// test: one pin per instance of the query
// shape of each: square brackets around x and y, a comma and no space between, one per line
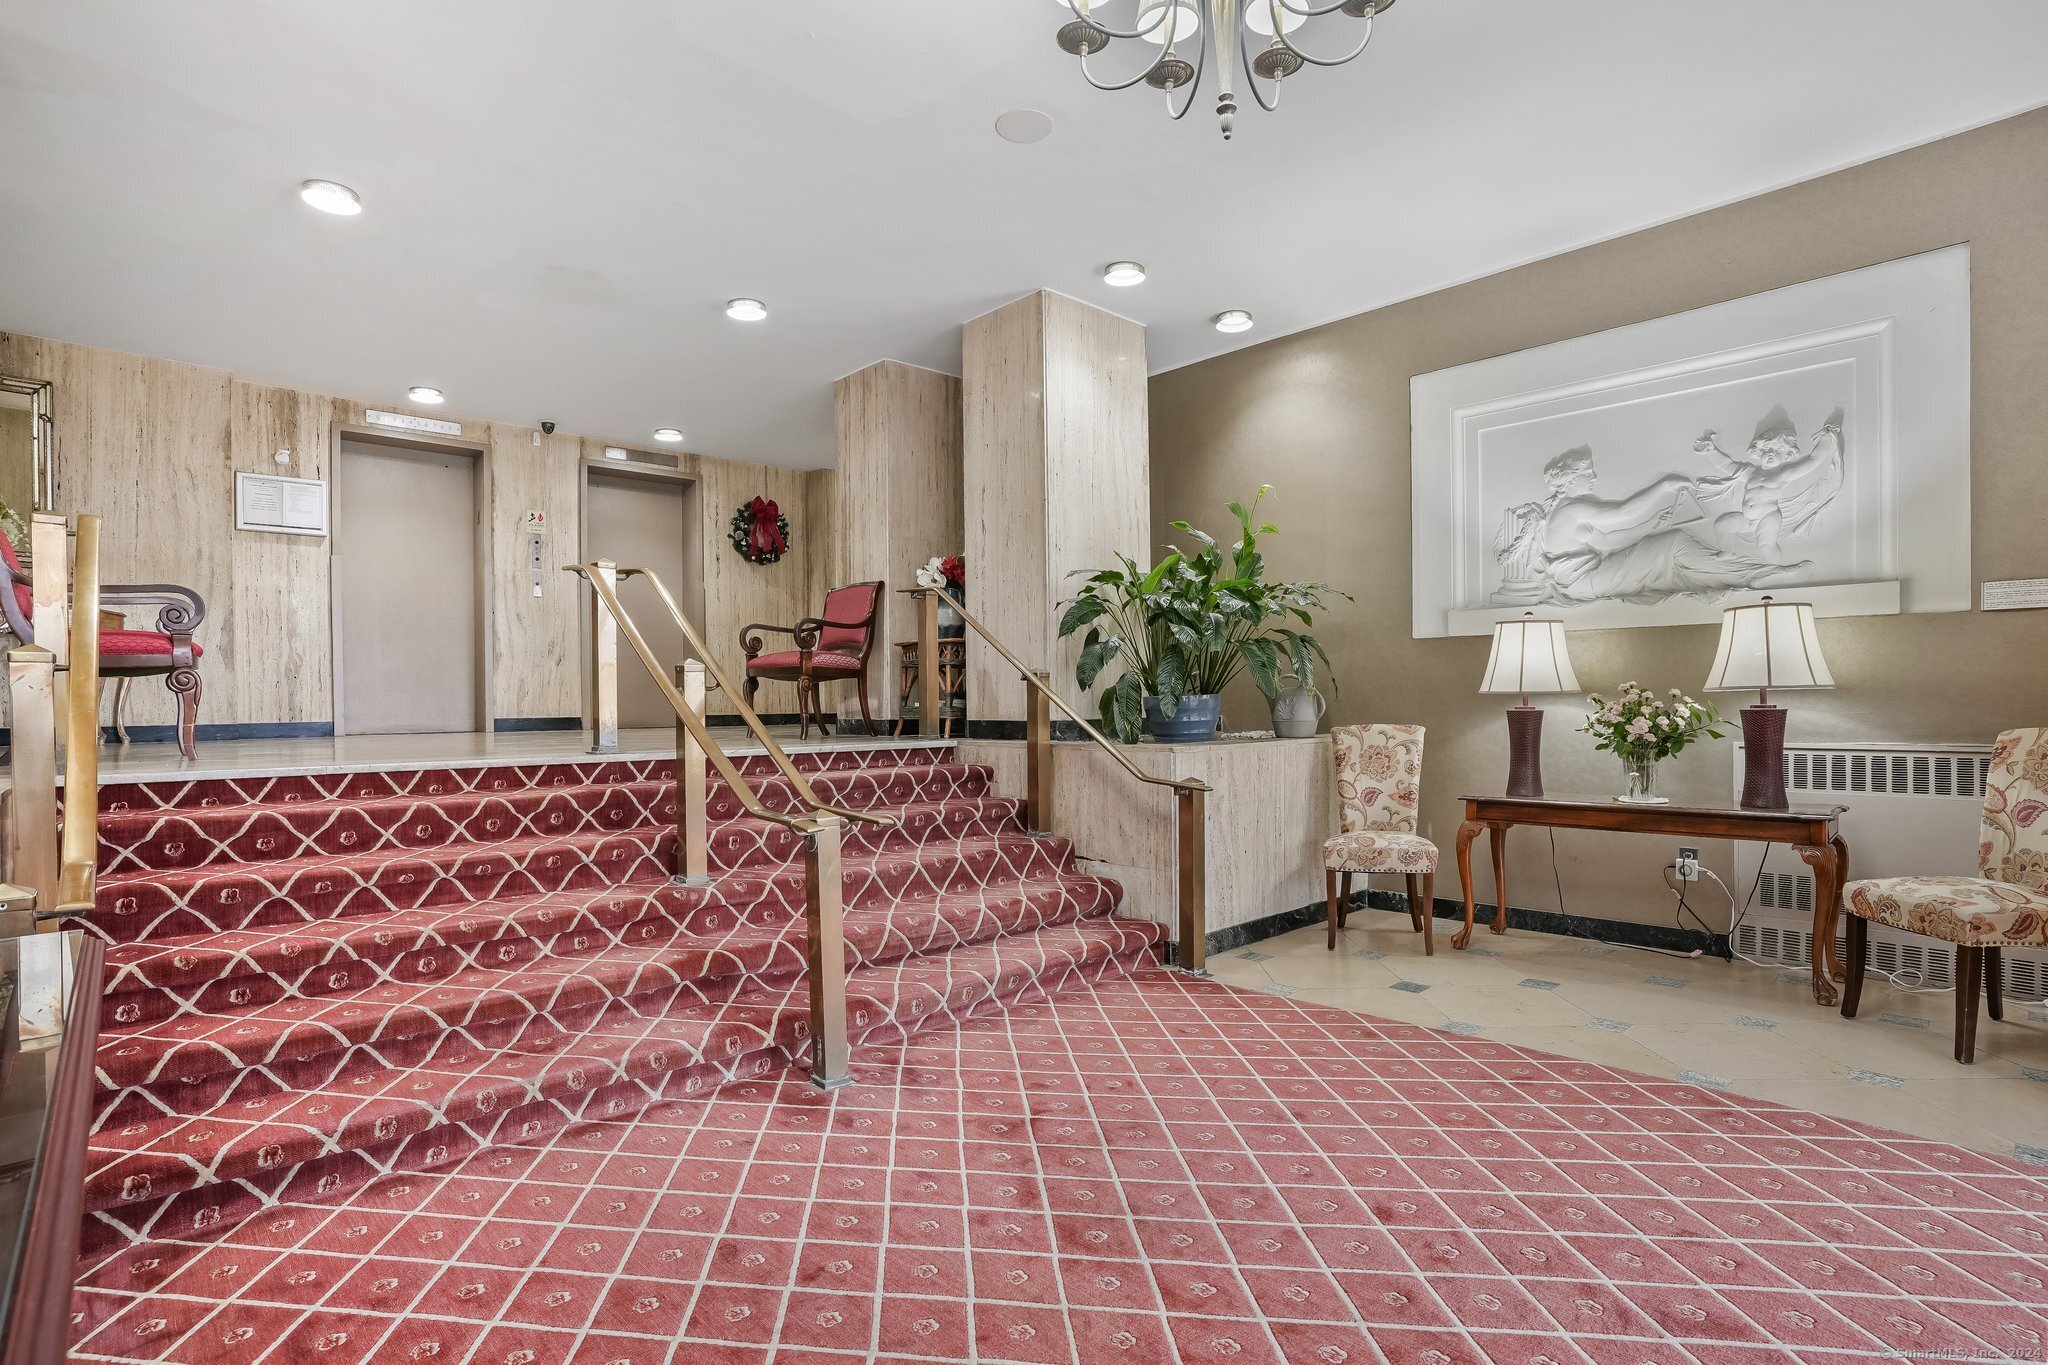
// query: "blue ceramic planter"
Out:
[1195,718]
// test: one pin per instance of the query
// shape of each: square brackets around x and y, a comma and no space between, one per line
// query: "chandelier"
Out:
[1234,29]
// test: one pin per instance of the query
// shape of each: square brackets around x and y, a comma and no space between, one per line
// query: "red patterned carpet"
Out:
[438,1066]
[1145,1170]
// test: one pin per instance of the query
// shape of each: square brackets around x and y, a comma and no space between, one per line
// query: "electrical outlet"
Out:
[1688,863]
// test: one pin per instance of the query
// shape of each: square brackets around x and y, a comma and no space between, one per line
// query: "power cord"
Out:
[1558,880]
[1910,983]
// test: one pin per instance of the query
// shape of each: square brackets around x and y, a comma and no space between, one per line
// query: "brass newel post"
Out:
[604,666]
[826,946]
[693,861]
[50,599]
[928,718]
[1190,819]
[1037,753]
[32,825]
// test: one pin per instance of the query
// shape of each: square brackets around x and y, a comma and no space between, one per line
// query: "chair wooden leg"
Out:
[1429,914]
[1994,982]
[869,721]
[1415,900]
[120,708]
[184,684]
[1344,901]
[1330,892]
[803,709]
[1858,933]
[1969,985]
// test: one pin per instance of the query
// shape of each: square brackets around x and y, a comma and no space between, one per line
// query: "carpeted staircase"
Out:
[317,979]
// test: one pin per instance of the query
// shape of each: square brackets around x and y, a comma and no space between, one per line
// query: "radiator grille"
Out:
[1887,774]
[1788,891]
[1921,961]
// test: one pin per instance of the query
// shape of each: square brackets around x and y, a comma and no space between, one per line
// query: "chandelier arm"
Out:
[1251,78]
[1167,15]
[1313,60]
[1310,13]
[1089,76]
[1194,86]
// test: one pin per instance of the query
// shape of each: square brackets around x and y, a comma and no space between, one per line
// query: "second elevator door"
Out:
[640,523]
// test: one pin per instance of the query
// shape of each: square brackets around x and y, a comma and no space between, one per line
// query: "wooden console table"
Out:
[1812,831]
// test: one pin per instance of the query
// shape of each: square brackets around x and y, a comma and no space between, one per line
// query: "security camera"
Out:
[548,427]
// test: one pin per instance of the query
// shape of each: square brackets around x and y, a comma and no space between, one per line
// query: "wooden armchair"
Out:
[168,652]
[831,647]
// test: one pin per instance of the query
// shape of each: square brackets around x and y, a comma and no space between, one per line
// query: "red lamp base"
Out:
[1525,751]
[1763,749]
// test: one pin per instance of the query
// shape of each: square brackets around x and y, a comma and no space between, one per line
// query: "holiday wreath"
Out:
[760,532]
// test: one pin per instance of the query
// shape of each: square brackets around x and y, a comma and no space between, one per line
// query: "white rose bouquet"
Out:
[1639,725]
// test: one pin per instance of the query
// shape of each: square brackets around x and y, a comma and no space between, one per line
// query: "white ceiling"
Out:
[560,197]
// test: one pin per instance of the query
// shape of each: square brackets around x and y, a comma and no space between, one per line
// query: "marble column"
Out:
[1056,464]
[895,494]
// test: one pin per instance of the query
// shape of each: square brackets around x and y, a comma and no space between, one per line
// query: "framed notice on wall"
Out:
[271,502]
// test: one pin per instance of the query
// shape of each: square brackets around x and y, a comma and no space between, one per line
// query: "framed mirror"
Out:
[28,450]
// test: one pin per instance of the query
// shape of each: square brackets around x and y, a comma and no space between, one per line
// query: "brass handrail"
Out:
[684,712]
[1190,795]
[819,826]
[747,714]
[78,874]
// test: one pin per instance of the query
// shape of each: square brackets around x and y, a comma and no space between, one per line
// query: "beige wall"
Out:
[1323,416]
[152,447]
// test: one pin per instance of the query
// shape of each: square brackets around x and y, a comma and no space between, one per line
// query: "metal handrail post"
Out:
[1191,889]
[693,859]
[824,924]
[604,665]
[929,721]
[1038,753]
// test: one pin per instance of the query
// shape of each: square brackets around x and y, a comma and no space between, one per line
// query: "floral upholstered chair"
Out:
[1379,780]
[2005,907]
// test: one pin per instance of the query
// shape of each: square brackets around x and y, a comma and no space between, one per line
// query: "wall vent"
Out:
[1897,773]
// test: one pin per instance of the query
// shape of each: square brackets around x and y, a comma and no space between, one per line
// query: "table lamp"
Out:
[1764,645]
[1528,656]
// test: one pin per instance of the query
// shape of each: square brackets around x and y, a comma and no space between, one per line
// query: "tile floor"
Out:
[1750,1030]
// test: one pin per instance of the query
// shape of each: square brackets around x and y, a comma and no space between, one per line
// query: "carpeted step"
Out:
[165,839]
[181,903]
[185,1175]
[217,973]
[267,790]
[171,1059]
[410,1109]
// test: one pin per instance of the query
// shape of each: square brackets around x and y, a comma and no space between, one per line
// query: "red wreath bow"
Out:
[766,537]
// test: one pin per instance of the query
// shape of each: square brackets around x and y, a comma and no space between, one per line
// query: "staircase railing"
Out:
[819,825]
[47,876]
[1190,816]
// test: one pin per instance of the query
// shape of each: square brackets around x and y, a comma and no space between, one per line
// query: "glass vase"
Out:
[1640,770]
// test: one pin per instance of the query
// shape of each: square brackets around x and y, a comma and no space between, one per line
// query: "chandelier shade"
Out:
[1250,44]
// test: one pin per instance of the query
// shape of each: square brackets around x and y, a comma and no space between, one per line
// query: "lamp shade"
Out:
[1767,645]
[1529,656]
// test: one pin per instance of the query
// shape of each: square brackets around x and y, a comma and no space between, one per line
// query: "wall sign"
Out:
[272,502]
[405,421]
[2015,594]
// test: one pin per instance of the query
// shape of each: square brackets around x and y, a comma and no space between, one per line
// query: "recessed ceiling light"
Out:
[668,435]
[1232,320]
[331,197]
[1123,273]
[420,393]
[746,310]
[1024,125]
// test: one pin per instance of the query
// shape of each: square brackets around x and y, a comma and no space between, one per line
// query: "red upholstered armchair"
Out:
[831,647]
[167,652]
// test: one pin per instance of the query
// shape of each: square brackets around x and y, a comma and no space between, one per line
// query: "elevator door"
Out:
[639,522]
[406,591]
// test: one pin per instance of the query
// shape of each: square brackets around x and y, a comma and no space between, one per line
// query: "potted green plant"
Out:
[1185,627]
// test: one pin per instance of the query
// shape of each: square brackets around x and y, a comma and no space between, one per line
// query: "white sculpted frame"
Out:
[1853,493]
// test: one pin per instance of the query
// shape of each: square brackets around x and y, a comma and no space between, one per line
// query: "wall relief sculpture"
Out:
[1704,531]
[1811,441]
